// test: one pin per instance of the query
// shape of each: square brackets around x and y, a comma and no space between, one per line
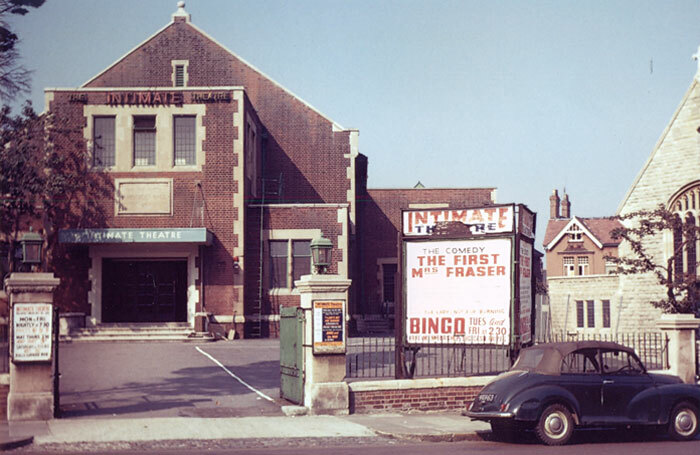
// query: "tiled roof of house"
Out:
[599,227]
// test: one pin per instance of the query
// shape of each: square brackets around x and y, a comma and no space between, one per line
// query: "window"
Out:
[301,259]
[388,278]
[569,269]
[144,140]
[289,256]
[278,263]
[590,313]
[606,314]
[179,75]
[580,362]
[583,265]
[103,141]
[575,234]
[184,127]
[620,362]
[610,267]
[579,313]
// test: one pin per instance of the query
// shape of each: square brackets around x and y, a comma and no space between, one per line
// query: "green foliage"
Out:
[682,289]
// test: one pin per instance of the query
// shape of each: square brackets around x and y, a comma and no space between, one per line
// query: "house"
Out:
[582,290]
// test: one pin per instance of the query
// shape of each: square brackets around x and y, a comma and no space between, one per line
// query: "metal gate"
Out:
[292,354]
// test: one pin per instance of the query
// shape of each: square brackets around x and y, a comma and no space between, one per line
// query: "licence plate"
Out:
[487,397]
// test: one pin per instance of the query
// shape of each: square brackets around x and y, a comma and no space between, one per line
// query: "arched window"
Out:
[691,247]
[677,249]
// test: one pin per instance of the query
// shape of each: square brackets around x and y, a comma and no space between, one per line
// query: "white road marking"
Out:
[234,376]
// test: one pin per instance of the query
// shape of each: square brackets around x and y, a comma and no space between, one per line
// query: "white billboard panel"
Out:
[458,291]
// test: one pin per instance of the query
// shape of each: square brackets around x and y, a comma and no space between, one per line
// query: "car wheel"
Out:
[555,426]
[683,423]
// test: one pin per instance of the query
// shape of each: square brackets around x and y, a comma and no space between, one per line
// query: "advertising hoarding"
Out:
[458,291]
[525,292]
[484,220]
[328,327]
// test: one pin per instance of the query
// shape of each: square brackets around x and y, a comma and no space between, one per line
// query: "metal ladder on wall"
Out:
[270,187]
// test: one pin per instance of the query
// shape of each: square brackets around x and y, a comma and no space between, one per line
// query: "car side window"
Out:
[620,362]
[582,361]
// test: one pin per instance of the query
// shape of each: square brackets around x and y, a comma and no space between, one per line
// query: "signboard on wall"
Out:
[31,332]
[458,291]
[525,294]
[329,327]
[483,220]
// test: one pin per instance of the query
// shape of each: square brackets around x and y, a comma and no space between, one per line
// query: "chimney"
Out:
[554,205]
[565,207]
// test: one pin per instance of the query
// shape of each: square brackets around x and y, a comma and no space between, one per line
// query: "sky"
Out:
[524,96]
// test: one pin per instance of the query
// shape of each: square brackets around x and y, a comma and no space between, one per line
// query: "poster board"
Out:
[328,327]
[458,291]
[31,332]
[525,292]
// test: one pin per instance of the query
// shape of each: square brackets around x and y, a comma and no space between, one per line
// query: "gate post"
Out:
[31,394]
[680,329]
[324,300]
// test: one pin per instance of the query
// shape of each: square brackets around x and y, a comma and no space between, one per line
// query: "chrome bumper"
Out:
[488,415]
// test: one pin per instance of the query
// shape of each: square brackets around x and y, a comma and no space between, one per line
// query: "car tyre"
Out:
[683,422]
[555,426]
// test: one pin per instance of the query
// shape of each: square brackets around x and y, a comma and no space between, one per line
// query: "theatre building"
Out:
[216,180]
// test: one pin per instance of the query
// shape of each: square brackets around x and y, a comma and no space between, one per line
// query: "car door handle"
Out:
[608,381]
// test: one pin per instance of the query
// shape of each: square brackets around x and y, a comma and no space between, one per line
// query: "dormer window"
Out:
[180,75]
[575,234]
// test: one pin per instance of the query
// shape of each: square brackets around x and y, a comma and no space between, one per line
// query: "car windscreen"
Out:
[528,359]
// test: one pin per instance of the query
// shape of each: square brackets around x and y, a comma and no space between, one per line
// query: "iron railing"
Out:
[374,357]
[652,348]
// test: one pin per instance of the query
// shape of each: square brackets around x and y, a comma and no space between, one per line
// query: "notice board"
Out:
[329,327]
[31,332]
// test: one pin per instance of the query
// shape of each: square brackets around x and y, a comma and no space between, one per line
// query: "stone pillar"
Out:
[31,394]
[680,329]
[325,391]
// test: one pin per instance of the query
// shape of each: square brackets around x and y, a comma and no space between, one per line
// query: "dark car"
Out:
[556,387]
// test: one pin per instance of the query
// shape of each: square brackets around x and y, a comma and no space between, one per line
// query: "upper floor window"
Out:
[569,267]
[144,140]
[289,260]
[185,146]
[575,233]
[179,76]
[104,149]
[583,265]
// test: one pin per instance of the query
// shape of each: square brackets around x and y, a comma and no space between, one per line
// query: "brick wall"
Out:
[418,395]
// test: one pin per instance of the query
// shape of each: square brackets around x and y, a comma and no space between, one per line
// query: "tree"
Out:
[45,180]
[682,286]
[14,78]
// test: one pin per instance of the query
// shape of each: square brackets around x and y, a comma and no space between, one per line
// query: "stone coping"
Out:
[427,383]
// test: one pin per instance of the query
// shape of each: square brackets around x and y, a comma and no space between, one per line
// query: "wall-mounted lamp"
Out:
[321,252]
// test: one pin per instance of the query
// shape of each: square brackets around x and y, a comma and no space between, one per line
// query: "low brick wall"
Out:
[414,395]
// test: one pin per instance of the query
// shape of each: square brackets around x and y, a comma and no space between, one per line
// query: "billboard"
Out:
[458,291]
[483,220]
[525,292]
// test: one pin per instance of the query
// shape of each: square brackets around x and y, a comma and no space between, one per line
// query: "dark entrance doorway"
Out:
[144,290]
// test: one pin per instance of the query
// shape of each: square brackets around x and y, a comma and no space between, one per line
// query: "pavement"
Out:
[422,427]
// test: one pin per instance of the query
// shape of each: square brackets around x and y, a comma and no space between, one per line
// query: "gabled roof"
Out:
[658,145]
[597,229]
[185,17]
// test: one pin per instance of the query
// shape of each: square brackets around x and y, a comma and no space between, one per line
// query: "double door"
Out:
[144,290]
